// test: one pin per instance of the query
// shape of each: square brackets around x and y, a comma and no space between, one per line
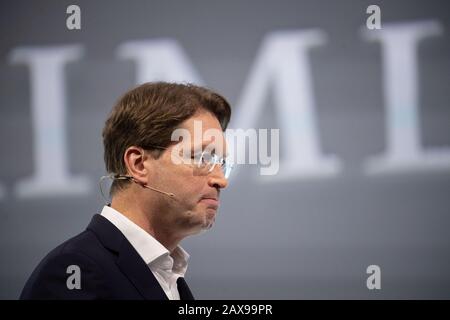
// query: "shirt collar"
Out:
[150,249]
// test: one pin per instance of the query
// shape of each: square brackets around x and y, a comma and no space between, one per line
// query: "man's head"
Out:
[137,142]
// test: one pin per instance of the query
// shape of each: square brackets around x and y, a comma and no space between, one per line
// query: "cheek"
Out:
[182,181]
[184,185]
[192,189]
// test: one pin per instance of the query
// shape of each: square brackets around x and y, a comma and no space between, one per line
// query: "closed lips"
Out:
[210,201]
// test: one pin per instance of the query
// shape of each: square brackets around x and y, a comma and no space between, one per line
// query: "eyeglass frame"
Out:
[221,160]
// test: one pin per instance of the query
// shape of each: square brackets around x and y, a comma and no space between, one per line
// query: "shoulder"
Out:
[70,271]
[84,247]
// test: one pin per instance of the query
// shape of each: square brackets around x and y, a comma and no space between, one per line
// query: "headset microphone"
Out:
[170,194]
[125,177]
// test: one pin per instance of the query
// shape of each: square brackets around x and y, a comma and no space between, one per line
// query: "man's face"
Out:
[197,192]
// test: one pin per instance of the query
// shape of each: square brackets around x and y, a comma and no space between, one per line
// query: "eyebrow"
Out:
[213,150]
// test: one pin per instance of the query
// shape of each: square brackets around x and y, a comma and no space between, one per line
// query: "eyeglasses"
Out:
[207,161]
[204,162]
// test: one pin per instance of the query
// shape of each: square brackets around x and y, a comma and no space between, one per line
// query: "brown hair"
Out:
[147,115]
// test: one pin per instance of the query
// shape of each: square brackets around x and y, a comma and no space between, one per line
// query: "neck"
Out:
[145,220]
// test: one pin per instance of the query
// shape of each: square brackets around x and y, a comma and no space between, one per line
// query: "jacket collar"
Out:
[128,260]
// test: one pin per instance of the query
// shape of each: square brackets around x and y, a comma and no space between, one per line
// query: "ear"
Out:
[134,159]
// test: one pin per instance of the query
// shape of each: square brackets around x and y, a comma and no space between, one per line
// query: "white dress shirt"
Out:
[166,267]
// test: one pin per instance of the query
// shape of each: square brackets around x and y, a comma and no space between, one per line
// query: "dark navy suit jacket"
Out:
[110,268]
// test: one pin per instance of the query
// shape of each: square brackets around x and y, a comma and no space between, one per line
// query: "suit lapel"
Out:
[129,261]
[132,265]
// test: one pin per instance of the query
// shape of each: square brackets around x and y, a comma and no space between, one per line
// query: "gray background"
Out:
[289,239]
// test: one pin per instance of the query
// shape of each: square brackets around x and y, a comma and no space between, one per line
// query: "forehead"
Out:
[208,120]
[204,129]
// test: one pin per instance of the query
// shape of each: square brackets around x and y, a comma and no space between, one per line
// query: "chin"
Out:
[210,217]
[205,226]
[209,224]
[203,222]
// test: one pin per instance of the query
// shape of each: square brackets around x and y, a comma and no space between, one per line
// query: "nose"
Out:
[216,178]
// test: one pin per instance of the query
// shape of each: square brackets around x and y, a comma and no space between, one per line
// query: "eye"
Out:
[198,158]
[205,158]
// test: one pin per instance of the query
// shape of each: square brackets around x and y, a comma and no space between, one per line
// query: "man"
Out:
[163,190]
